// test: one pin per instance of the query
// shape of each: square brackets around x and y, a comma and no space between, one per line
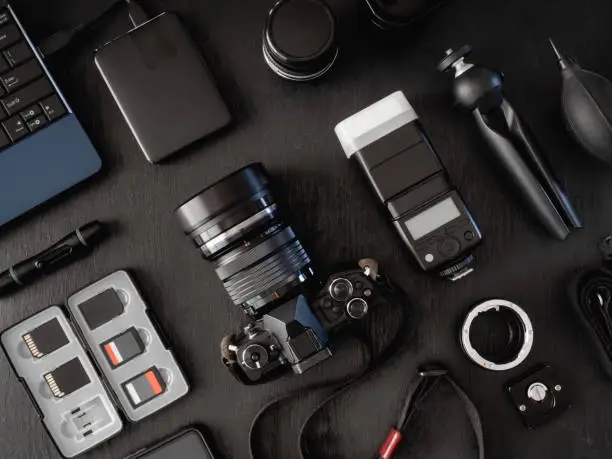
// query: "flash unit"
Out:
[387,141]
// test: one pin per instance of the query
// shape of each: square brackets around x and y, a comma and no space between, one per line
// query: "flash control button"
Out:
[469,235]
[449,247]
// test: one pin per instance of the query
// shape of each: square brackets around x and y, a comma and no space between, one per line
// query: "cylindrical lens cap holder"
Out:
[299,42]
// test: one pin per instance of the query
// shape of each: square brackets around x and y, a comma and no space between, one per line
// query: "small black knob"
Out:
[357,308]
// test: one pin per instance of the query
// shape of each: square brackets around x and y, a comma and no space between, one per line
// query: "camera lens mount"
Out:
[520,335]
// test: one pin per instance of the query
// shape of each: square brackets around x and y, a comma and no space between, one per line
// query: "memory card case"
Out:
[84,367]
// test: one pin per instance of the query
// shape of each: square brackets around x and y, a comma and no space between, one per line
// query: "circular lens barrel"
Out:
[236,224]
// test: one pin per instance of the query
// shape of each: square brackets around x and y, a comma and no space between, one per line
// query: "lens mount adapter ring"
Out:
[497,304]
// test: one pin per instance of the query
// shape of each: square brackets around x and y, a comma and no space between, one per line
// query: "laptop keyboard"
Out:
[28,100]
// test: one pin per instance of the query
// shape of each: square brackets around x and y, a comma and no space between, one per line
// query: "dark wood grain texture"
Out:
[289,127]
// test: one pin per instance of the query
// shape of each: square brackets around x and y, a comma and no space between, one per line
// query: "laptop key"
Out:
[5,17]
[31,112]
[17,54]
[22,99]
[8,35]
[37,123]
[53,107]
[4,140]
[15,128]
[4,66]
[21,75]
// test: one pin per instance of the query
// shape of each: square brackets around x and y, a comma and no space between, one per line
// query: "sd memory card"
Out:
[67,378]
[145,387]
[123,347]
[45,339]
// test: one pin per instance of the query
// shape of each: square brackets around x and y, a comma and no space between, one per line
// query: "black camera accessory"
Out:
[539,396]
[428,379]
[296,333]
[163,86]
[587,107]
[71,248]
[388,14]
[512,345]
[237,224]
[387,141]
[188,444]
[137,370]
[590,293]
[299,41]
[480,90]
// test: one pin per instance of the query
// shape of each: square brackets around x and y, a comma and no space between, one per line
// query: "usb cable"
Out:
[62,38]
[137,14]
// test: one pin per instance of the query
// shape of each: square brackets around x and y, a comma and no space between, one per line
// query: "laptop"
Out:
[43,148]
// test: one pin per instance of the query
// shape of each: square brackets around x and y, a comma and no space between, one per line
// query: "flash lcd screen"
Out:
[432,218]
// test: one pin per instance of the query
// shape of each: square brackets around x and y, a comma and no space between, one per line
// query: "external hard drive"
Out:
[163,86]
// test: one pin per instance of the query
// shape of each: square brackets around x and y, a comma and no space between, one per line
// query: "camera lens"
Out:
[236,224]
[341,289]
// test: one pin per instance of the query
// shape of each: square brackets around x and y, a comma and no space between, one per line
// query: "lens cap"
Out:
[300,39]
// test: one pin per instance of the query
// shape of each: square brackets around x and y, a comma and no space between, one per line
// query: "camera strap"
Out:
[429,379]
[590,293]
[343,385]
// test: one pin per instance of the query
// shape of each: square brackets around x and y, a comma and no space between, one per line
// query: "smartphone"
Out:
[188,444]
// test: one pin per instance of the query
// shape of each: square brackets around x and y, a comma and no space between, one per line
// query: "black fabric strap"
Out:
[591,298]
[428,380]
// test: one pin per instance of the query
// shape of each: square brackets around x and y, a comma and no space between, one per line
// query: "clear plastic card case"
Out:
[72,401]
[79,400]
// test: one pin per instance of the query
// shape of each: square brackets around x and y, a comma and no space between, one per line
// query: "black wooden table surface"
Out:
[289,127]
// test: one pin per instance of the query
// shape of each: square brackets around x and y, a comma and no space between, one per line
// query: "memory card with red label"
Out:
[144,387]
[124,347]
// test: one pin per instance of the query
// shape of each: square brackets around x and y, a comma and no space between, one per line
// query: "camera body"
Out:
[387,141]
[237,224]
[296,332]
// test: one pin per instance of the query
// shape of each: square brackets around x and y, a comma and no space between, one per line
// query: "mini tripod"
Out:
[480,90]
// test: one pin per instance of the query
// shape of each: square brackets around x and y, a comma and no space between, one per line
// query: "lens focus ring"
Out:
[236,223]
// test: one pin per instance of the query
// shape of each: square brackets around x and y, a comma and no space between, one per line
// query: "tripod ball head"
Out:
[473,86]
